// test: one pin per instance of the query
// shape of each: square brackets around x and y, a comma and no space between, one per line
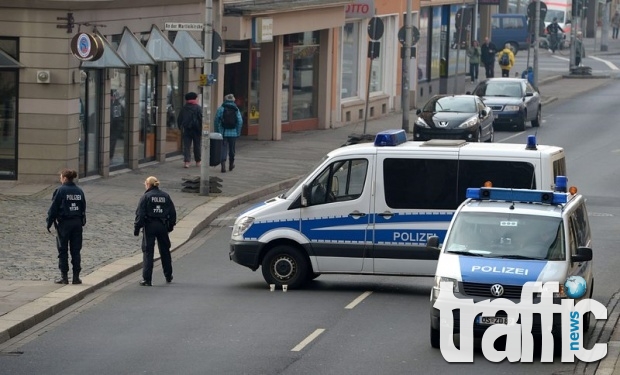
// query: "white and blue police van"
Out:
[499,239]
[369,208]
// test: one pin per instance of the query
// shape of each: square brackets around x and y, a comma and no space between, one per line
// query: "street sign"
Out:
[415,35]
[186,26]
[375,28]
[531,10]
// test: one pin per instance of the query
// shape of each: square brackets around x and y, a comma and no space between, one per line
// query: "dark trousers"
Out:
[116,131]
[473,71]
[69,240]
[505,72]
[155,230]
[614,33]
[228,147]
[489,69]
[190,138]
[577,60]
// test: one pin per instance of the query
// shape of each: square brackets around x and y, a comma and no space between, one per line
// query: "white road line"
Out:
[308,340]
[512,136]
[611,65]
[357,300]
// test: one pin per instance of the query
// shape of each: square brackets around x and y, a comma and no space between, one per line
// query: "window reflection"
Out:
[118,118]
[350,60]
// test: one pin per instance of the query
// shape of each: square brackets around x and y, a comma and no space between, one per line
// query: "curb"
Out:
[27,316]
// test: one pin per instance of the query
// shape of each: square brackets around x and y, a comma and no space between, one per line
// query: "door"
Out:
[337,218]
[415,199]
[148,112]
[91,87]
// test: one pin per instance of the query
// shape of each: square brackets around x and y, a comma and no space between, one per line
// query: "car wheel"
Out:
[521,124]
[515,48]
[538,120]
[435,340]
[491,135]
[285,265]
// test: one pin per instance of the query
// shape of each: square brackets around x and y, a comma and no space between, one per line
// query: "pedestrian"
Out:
[474,53]
[157,215]
[68,215]
[580,51]
[615,25]
[529,75]
[553,31]
[506,60]
[190,122]
[228,122]
[487,54]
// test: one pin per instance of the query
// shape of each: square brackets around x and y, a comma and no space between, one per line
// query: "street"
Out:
[220,318]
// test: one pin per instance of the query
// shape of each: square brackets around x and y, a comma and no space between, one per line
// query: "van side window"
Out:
[579,220]
[559,168]
[513,22]
[474,173]
[420,183]
[341,181]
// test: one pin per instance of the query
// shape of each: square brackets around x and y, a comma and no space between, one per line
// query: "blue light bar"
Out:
[531,142]
[517,195]
[561,183]
[393,137]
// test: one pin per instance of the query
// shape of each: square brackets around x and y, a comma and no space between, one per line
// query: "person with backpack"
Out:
[190,122]
[228,122]
[506,60]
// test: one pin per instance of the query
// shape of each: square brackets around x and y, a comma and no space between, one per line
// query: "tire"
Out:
[435,340]
[538,120]
[285,265]
[515,48]
[521,125]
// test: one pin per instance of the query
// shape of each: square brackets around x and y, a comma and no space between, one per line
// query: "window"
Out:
[9,84]
[350,60]
[340,181]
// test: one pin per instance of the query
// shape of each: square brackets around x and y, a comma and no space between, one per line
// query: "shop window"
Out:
[9,83]
[351,57]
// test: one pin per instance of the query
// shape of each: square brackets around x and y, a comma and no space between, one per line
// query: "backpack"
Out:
[193,122]
[504,60]
[229,117]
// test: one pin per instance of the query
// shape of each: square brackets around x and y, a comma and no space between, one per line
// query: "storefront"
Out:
[9,84]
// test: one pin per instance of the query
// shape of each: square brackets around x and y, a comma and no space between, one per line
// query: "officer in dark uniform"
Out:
[157,215]
[68,215]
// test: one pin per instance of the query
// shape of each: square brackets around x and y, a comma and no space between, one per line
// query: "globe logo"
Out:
[575,287]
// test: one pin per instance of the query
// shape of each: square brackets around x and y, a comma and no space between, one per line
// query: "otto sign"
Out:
[360,9]
[186,26]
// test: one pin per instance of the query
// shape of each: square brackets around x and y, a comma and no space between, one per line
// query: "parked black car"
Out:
[454,117]
[514,101]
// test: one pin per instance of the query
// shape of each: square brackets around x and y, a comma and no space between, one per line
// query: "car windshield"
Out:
[510,236]
[451,104]
[507,89]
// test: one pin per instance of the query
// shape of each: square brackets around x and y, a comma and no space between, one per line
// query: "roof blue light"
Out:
[561,183]
[517,195]
[531,142]
[392,137]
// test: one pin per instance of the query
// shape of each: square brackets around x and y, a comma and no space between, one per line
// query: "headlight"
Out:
[421,123]
[511,108]
[242,225]
[469,122]
[439,280]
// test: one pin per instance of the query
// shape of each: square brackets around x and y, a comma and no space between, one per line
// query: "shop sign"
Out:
[183,26]
[360,9]
[87,47]
[263,30]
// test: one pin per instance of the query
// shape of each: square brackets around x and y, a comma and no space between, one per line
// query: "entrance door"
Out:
[90,119]
[148,112]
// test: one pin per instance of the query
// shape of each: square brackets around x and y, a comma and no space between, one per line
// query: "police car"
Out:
[499,239]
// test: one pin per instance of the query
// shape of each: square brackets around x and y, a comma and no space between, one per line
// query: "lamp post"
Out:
[206,98]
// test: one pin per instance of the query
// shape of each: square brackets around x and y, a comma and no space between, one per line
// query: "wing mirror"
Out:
[584,254]
[418,111]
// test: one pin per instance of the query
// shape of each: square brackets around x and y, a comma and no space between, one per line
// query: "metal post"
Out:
[475,22]
[605,27]
[405,67]
[206,98]
[536,44]
[458,48]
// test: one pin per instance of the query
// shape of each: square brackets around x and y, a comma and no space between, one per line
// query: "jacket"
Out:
[474,55]
[68,202]
[511,57]
[488,52]
[190,113]
[218,121]
[155,204]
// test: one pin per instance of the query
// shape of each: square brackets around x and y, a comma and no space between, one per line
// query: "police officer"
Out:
[68,215]
[157,215]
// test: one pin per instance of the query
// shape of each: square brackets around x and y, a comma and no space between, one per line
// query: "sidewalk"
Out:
[110,252]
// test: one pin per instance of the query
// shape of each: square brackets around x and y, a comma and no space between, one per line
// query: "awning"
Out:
[187,45]
[6,61]
[109,59]
[160,48]
[263,7]
[131,50]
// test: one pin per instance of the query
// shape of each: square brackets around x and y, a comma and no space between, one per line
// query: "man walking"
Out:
[190,122]
[157,215]
[487,56]
[228,122]
[615,25]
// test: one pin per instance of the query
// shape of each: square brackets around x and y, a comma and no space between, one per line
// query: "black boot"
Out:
[63,279]
[223,167]
[231,166]
[76,278]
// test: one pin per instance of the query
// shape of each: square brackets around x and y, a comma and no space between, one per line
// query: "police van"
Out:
[499,239]
[369,208]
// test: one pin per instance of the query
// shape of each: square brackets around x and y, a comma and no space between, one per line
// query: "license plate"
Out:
[489,320]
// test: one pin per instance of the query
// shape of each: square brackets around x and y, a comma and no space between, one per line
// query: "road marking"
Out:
[357,300]
[561,58]
[308,340]
[606,62]
[512,136]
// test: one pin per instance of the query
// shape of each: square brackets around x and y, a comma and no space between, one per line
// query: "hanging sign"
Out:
[87,47]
